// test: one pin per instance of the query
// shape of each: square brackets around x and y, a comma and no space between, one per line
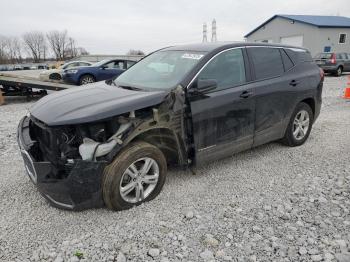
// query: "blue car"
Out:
[103,70]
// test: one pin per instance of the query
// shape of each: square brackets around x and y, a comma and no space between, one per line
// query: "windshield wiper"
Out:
[129,87]
[124,86]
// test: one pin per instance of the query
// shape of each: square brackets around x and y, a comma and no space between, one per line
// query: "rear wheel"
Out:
[299,126]
[339,71]
[86,79]
[55,76]
[136,175]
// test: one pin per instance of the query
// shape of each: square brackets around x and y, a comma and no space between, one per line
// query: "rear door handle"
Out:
[294,83]
[246,94]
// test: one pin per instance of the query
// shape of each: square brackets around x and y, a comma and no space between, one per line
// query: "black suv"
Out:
[334,63]
[110,143]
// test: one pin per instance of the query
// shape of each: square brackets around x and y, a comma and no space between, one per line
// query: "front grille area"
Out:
[47,141]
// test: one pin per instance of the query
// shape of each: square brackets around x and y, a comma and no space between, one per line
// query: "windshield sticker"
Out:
[192,56]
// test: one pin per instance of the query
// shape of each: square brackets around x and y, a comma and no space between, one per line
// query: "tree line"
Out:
[36,46]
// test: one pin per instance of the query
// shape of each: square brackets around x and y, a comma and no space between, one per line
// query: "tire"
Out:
[339,71]
[116,176]
[86,79]
[55,76]
[290,139]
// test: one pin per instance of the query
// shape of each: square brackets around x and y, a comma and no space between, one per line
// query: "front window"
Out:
[101,63]
[160,70]
[227,69]
[69,65]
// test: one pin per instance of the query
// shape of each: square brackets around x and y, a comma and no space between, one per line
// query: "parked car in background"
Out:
[110,143]
[43,67]
[103,70]
[3,68]
[334,63]
[56,74]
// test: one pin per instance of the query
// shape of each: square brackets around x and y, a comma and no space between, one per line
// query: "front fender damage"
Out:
[69,161]
[161,122]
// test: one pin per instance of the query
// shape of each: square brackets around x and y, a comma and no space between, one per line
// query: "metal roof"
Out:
[314,20]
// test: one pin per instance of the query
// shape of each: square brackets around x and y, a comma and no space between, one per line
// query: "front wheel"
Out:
[136,175]
[86,79]
[299,126]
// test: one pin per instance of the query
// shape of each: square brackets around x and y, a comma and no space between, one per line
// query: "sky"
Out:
[116,26]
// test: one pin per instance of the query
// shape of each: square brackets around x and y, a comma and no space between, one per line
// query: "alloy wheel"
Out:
[339,71]
[301,124]
[139,180]
[87,80]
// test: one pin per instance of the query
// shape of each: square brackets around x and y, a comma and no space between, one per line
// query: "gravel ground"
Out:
[272,203]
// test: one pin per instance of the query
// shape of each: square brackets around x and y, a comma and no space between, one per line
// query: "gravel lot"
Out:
[272,203]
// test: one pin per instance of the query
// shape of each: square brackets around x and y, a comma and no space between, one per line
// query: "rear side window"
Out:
[341,56]
[227,69]
[267,62]
[323,56]
[288,64]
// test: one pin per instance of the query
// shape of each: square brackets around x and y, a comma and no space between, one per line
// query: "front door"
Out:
[111,69]
[223,119]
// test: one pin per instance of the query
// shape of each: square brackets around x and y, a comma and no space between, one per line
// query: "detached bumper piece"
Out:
[72,186]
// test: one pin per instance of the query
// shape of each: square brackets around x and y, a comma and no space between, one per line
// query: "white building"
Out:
[316,33]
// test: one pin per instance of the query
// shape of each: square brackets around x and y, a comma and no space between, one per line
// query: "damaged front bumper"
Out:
[78,185]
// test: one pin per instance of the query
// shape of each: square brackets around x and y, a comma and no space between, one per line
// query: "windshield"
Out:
[160,70]
[324,55]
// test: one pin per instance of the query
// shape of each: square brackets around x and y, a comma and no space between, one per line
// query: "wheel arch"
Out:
[166,140]
[86,74]
[310,101]
[51,76]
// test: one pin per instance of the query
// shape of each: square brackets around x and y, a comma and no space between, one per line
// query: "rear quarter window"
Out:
[287,62]
[267,62]
[340,56]
[299,55]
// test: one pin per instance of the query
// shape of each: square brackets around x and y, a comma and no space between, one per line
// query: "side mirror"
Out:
[104,67]
[206,85]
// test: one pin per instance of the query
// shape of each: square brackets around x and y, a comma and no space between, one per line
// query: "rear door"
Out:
[223,119]
[275,91]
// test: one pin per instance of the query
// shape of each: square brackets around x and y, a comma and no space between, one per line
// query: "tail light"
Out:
[333,59]
[321,74]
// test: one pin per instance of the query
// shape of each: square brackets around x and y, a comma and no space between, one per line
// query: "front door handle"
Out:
[246,94]
[294,83]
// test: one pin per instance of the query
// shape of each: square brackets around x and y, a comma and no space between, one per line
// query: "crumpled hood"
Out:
[92,102]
